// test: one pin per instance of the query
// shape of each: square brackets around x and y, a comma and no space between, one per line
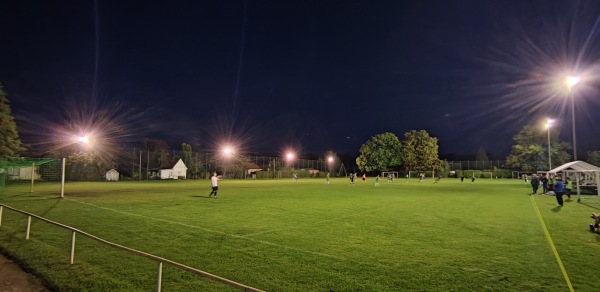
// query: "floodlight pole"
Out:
[549,155]
[573,122]
[549,148]
[572,81]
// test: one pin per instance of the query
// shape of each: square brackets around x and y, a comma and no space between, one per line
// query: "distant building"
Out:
[251,169]
[170,170]
[112,175]
[22,173]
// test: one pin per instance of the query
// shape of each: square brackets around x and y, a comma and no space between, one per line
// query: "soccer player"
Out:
[214,183]
[568,188]
[377,181]
[352,178]
[295,177]
[327,178]
[535,184]
[544,181]
[364,178]
[559,188]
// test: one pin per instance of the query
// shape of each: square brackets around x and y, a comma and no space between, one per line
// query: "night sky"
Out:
[309,75]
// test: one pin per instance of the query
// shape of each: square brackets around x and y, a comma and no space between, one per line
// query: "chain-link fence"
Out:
[477,164]
[149,165]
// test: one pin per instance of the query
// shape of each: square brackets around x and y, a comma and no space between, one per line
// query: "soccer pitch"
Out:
[280,235]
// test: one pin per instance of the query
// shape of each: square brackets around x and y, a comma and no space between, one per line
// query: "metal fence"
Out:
[147,165]
[160,261]
[477,164]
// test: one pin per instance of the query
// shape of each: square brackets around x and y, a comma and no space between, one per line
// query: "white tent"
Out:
[574,169]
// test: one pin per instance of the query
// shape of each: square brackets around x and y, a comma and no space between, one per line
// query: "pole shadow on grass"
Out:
[592,207]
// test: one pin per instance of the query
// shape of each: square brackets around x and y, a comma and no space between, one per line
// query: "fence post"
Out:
[28,227]
[62,181]
[72,247]
[32,176]
[159,277]
[1,215]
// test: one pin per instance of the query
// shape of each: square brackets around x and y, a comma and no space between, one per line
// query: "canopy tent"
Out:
[577,168]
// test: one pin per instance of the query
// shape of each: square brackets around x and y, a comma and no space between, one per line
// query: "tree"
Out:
[530,153]
[420,151]
[158,151]
[381,153]
[188,159]
[594,158]
[482,156]
[10,143]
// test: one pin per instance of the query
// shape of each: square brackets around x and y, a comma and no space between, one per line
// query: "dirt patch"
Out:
[14,279]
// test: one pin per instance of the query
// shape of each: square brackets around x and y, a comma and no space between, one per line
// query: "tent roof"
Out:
[578,166]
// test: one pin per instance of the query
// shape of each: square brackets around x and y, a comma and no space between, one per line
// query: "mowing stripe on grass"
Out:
[228,234]
[560,264]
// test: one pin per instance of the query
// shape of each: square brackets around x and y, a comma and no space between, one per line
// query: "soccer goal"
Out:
[486,175]
[417,174]
[386,174]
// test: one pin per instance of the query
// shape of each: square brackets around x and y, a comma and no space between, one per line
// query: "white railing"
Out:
[158,259]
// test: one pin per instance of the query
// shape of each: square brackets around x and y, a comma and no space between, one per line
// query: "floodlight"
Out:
[290,155]
[84,139]
[330,159]
[572,81]
[228,151]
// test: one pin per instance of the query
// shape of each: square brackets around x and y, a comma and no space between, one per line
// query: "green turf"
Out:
[278,235]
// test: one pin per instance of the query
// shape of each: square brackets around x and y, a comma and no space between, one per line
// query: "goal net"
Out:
[29,170]
[387,174]
[417,174]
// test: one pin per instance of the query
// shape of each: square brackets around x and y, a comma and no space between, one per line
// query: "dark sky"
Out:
[311,75]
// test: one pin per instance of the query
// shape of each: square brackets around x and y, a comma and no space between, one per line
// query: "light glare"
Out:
[572,81]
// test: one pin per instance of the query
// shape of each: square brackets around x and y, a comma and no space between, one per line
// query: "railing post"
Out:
[159,277]
[28,227]
[72,247]
[62,179]
[1,215]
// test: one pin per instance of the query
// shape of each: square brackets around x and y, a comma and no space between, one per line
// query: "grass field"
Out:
[278,235]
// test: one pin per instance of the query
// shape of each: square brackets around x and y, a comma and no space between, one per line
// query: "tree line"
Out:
[418,151]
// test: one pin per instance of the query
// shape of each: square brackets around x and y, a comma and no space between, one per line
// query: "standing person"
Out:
[473,178]
[544,181]
[535,184]
[352,178]
[406,177]
[295,177]
[568,188]
[462,177]
[364,178]
[559,188]
[377,181]
[327,178]
[214,183]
